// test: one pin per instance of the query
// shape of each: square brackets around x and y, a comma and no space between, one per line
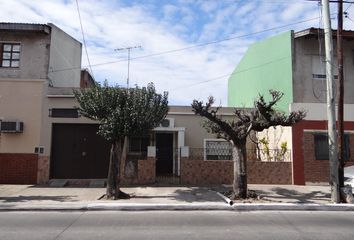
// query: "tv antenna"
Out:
[127,49]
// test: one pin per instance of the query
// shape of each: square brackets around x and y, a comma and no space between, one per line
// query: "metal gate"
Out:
[78,152]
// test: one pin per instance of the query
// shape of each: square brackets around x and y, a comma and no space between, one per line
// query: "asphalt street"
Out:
[176,225]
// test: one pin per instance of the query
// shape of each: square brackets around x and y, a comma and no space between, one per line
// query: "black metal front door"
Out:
[78,152]
[164,153]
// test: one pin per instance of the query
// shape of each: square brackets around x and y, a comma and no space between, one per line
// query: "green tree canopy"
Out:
[121,113]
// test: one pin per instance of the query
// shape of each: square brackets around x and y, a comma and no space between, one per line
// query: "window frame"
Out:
[64,113]
[11,52]
[141,150]
[324,155]
[218,158]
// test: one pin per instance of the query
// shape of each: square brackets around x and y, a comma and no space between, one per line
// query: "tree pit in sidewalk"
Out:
[120,196]
[252,197]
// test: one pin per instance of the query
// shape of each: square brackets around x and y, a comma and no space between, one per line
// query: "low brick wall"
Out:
[17,168]
[200,172]
[318,170]
[269,172]
[43,169]
[146,171]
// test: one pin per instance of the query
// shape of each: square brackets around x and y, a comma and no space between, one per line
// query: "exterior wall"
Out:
[318,111]
[144,174]
[21,100]
[194,132]
[34,56]
[43,169]
[65,53]
[269,172]
[305,167]
[57,102]
[266,65]
[86,79]
[317,171]
[147,170]
[309,90]
[276,136]
[54,101]
[18,168]
[200,172]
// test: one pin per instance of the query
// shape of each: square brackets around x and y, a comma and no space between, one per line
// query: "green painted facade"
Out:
[266,65]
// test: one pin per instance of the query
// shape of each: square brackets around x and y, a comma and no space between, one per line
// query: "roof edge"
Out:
[25,27]
[319,31]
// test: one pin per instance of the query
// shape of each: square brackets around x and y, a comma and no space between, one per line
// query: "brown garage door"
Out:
[78,152]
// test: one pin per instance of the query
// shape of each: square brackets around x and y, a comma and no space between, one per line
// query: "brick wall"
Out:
[43,170]
[146,170]
[144,174]
[269,172]
[318,170]
[18,168]
[202,172]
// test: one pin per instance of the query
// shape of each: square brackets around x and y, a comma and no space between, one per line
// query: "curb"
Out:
[292,207]
[176,207]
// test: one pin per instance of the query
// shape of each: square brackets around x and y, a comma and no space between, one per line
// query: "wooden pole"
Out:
[340,95]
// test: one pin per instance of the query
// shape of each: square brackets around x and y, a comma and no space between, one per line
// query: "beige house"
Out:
[42,135]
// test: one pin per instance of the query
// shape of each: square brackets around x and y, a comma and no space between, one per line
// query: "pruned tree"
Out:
[121,113]
[263,116]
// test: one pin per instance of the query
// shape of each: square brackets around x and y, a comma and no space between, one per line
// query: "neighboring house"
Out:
[294,64]
[32,57]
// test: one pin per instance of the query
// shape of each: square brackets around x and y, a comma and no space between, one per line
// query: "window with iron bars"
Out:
[217,149]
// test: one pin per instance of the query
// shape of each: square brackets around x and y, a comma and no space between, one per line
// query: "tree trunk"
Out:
[240,171]
[124,157]
[113,181]
[113,171]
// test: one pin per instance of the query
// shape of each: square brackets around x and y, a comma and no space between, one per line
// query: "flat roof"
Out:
[347,34]
[35,27]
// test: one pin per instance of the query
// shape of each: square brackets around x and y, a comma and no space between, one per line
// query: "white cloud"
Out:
[191,74]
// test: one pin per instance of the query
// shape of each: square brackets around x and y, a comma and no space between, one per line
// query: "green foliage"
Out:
[122,112]
[283,148]
[265,147]
[263,116]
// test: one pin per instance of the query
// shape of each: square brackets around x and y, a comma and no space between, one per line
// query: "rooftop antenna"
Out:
[128,49]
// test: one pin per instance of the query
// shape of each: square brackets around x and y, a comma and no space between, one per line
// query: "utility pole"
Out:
[332,138]
[128,49]
[340,94]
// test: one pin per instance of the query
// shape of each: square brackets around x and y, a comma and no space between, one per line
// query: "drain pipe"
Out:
[226,199]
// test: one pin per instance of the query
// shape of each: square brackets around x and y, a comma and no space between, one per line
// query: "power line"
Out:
[232,74]
[196,45]
[348,7]
[83,38]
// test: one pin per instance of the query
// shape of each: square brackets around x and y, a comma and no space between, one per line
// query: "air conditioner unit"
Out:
[168,123]
[11,126]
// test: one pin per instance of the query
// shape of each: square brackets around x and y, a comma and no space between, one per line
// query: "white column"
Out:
[180,144]
[151,151]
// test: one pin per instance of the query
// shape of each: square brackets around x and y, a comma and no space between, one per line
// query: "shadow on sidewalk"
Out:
[38,198]
[284,195]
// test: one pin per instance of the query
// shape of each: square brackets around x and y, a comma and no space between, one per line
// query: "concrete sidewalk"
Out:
[274,197]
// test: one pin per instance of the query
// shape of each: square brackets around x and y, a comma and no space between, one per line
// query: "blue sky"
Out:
[161,26]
